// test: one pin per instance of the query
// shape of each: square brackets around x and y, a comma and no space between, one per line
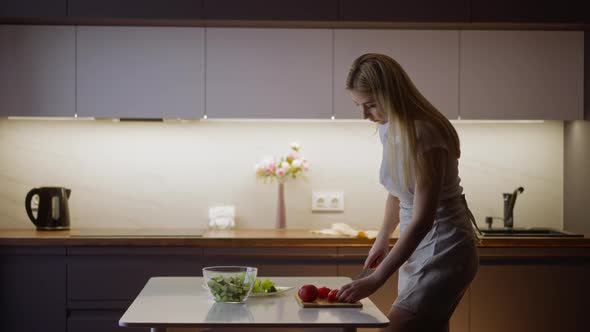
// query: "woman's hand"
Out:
[377,253]
[359,289]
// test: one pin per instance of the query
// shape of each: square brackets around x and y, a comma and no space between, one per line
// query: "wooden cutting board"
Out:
[325,304]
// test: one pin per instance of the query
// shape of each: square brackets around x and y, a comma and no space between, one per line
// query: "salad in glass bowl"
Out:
[230,284]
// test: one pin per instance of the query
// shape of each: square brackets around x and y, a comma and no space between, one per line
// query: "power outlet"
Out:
[327,201]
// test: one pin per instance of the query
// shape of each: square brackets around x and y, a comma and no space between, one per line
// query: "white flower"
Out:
[297,163]
[287,167]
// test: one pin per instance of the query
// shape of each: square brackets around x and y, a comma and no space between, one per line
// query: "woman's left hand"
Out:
[359,289]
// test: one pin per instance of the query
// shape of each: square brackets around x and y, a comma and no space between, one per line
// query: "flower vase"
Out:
[281,222]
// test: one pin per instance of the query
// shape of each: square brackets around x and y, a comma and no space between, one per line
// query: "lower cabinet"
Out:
[87,289]
[278,262]
[111,274]
[351,263]
[536,297]
[98,321]
[32,289]
[102,282]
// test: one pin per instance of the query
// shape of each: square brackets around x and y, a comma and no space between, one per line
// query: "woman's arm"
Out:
[390,221]
[391,218]
[426,196]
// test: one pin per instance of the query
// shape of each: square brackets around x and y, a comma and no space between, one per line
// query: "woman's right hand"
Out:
[377,253]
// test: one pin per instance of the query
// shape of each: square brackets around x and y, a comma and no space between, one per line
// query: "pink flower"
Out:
[283,168]
[305,165]
[292,156]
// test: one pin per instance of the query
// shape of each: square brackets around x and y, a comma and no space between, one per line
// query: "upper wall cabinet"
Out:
[37,66]
[405,10]
[146,9]
[522,75]
[269,73]
[323,10]
[140,72]
[431,59]
[542,11]
[53,9]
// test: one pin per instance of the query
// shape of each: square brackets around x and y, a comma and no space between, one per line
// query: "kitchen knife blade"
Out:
[365,272]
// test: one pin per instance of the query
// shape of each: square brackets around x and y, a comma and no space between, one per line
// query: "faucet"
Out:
[509,201]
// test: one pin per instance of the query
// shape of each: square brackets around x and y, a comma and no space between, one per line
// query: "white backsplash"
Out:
[142,174]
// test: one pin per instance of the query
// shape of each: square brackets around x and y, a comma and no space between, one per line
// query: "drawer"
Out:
[111,274]
[98,321]
[277,262]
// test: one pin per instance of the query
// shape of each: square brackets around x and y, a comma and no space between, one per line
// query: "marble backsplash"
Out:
[144,174]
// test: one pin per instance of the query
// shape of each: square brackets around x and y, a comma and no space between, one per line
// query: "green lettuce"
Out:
[263,286]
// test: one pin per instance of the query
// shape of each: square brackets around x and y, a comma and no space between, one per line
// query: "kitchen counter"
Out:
[85,279]
[234,238]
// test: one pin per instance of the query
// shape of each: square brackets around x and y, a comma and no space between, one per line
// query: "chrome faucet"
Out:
[509,201]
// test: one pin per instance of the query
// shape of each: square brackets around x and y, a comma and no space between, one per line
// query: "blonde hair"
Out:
[401,104]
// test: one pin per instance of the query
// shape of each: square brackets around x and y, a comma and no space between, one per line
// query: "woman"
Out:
[436,254]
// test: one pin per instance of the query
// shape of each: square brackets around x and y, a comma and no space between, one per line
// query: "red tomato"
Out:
[308,293]
[323,292]
[332,296]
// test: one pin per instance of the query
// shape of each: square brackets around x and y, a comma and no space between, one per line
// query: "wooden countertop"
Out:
[233,238]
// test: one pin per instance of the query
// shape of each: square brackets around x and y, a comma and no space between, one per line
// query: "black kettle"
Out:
[53,212]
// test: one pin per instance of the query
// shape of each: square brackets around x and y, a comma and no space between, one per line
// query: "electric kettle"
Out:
[53,212]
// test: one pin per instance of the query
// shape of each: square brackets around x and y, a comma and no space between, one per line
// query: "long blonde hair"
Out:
[401,104]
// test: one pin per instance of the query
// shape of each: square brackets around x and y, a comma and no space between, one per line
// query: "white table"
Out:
[167,302]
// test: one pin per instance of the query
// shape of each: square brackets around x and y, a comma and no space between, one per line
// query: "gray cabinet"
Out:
[541,297]
[522,75]
[431,59]
[37,66]
[98,321]
[269,73]
[103,281]
[350,263]
[277,262]
[406,10]
[323,10]
[136,9]
[546,11]
[33,288]
[140,72]
[54,9]
[113,274]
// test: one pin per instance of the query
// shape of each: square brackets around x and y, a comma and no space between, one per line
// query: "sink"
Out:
[527,232]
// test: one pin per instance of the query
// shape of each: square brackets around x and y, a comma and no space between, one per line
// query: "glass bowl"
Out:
[230,284]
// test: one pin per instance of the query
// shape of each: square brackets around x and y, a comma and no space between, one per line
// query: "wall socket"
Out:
[327,201]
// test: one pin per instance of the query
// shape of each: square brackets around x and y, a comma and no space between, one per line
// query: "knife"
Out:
[365,272]
[369,269]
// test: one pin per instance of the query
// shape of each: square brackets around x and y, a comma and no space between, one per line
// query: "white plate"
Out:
[280,289]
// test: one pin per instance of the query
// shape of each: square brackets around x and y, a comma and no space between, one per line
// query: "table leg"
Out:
[158,329]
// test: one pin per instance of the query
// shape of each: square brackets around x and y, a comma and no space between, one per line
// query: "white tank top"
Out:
[428,138]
